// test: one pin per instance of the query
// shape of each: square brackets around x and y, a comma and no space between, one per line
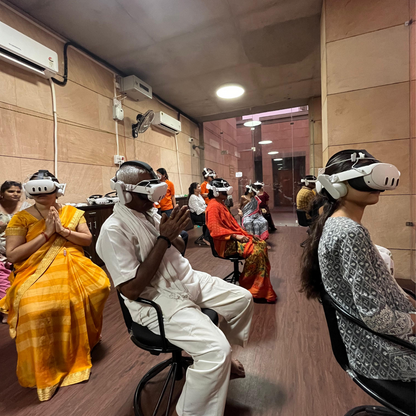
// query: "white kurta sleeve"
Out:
[118,253]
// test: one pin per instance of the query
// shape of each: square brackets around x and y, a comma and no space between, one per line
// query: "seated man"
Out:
[141,251]
[230,238]
[306,194]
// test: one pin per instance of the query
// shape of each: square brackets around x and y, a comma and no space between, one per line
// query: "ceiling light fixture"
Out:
[278,159]
[230,91]
[265,142]
[253,128]
[252,123]
[273,153]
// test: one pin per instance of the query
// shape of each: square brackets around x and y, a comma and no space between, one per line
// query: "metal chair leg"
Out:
[371,411]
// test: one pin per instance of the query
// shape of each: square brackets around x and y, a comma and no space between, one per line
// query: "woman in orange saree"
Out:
[56,299]
[229,238]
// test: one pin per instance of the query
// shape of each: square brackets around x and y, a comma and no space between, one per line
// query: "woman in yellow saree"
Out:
[56,299]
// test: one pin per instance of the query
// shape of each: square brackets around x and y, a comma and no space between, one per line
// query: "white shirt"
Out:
[175,284]
[197,204]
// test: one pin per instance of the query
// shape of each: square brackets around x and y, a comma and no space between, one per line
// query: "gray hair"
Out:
[129,174]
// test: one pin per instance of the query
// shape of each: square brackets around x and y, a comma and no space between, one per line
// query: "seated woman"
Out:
[230,239]
[264,205]
[10,203]
[56,299]
[252,220]
[340,256]
[197,207]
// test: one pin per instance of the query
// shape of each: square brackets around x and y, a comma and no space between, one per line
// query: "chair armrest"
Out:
[409,292]
[360,323]
[159,318]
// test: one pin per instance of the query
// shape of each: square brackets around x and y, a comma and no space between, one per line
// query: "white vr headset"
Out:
[308,181]
[226,187]
[45,186]
[252,189]
[152,189]
[370,178]
[209,172]
[258,183]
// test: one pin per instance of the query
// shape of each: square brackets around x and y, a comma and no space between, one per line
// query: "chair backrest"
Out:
[302,218]
[338,346]
[126,314]
[211,242]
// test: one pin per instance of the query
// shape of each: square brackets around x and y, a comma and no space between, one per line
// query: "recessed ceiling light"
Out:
[252,123]
[230,91]
[278,159]
[273,153]
[253,128]
[265,142]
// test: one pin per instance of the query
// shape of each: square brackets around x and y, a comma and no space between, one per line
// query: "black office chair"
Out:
[397,396]
[302,218]
[196,221]
[234,276]
[144,338]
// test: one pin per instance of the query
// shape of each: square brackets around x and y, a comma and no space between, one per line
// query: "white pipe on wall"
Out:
[55,127]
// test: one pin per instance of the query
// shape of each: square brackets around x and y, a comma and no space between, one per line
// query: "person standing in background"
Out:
[209,175]
[167,204]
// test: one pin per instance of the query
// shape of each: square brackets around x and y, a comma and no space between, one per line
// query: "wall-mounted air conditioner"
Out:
[166,122]
[24,52]
[135,88]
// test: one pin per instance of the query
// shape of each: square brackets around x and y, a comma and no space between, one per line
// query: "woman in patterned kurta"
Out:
[340,255]
[230,239]
[252,219]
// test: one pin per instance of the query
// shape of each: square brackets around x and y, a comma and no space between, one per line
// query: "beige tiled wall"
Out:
[86,130]
[221,136]
[368,101]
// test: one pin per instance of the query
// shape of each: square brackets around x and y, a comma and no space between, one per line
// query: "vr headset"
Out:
[375,177]
[220,185]
[209,172]
[258,183]
[252,189]
[307,181]
[45,184]
[152,189]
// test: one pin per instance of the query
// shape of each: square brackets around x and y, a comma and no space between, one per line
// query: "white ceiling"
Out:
[186,49]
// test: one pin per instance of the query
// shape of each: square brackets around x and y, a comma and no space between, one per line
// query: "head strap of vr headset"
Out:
[139,164]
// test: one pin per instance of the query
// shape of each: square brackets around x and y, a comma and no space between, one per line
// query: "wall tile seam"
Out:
[375,141]
[25,111]
[87,88]
[369,88]
[366,33]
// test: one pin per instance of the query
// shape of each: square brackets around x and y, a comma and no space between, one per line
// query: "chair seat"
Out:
[148,340]
[397,393]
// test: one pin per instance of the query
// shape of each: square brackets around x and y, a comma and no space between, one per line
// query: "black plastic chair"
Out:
[397,397]
[302,218]
[147,340]
[234,276]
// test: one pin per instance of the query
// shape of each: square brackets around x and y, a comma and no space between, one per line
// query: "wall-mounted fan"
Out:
[143,123]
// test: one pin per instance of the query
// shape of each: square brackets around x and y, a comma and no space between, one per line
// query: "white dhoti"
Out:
[206,386]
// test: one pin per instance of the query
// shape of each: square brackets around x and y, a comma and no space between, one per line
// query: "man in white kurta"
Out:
[135,246]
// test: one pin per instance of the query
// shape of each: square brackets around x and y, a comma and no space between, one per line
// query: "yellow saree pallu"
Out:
[55,307]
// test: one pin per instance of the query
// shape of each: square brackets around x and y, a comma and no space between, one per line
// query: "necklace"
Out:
[36,208]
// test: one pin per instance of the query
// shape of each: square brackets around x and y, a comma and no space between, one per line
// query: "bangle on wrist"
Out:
[46,236]
[166,239]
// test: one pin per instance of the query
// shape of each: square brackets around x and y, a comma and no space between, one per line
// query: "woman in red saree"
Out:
[56,299]
[229,238]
